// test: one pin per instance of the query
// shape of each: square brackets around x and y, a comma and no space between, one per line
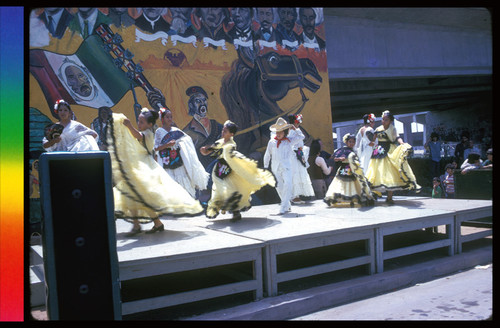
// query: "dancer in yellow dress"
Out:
[349,187]
[143,191]
[389,169]
[234,177]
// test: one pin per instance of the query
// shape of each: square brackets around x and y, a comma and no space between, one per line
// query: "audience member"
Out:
[437,191]
[449,181]
[434,147]
[473,162]
[472,149]
[460,148]
[488,164]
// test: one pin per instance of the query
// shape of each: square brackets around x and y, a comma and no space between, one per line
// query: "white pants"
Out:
[284,188]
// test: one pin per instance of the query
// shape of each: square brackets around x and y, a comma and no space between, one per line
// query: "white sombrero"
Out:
[280,125]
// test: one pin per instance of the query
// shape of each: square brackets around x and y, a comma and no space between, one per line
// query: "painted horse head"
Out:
[250,91]
[281,73]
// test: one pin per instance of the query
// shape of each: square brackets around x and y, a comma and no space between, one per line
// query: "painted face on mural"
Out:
[213,17]
[52,10]
[308,20]
[242,17]
[78,81]
[86,11]
[288,16]
[180,17]
[180,12]
[265,17]
[118,10]
[152,13]
[198,105]
[104,113]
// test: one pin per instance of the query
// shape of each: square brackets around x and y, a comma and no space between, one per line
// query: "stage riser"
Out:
[141,269]
[416,224]
[219,242]
[187,297]
[316,242]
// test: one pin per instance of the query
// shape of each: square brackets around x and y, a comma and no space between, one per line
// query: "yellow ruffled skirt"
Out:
[143,190]
[393,171]
[355,191]
[233,193]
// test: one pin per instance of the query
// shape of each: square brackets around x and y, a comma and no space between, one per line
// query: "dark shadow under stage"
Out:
[198,259]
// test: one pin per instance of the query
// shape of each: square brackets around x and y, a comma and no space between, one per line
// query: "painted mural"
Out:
[207,65]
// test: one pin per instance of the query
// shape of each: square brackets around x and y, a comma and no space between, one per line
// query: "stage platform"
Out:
[199,259]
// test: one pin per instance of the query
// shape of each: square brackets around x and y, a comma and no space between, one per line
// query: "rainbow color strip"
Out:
[11,164]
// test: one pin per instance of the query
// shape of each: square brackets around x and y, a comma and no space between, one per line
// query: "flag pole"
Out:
[123,58]
[137,106]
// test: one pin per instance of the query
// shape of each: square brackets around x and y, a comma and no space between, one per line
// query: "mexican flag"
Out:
[89,77]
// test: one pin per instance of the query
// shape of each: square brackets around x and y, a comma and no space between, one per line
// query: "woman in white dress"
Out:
[365,141]
[175,152]
[302,185]
[68,135]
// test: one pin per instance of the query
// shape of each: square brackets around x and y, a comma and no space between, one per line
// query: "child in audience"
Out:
[449,181]
[437,191]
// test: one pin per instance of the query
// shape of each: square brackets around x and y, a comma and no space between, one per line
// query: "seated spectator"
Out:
[488,164]
[472,149]
[473,162]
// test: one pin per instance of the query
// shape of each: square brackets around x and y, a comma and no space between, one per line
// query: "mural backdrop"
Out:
[207,65]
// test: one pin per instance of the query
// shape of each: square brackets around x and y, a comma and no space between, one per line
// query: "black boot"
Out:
[236,216]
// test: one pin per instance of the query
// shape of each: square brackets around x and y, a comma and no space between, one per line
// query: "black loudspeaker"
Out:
[79,236]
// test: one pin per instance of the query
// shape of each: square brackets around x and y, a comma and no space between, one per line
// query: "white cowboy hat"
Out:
[280,125]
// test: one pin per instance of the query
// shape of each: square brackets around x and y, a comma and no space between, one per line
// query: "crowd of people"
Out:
[467,157]
[157,172]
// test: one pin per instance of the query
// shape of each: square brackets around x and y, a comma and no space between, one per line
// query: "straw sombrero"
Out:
[280,125]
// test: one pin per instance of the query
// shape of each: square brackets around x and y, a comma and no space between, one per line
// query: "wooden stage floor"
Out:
[198,259]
